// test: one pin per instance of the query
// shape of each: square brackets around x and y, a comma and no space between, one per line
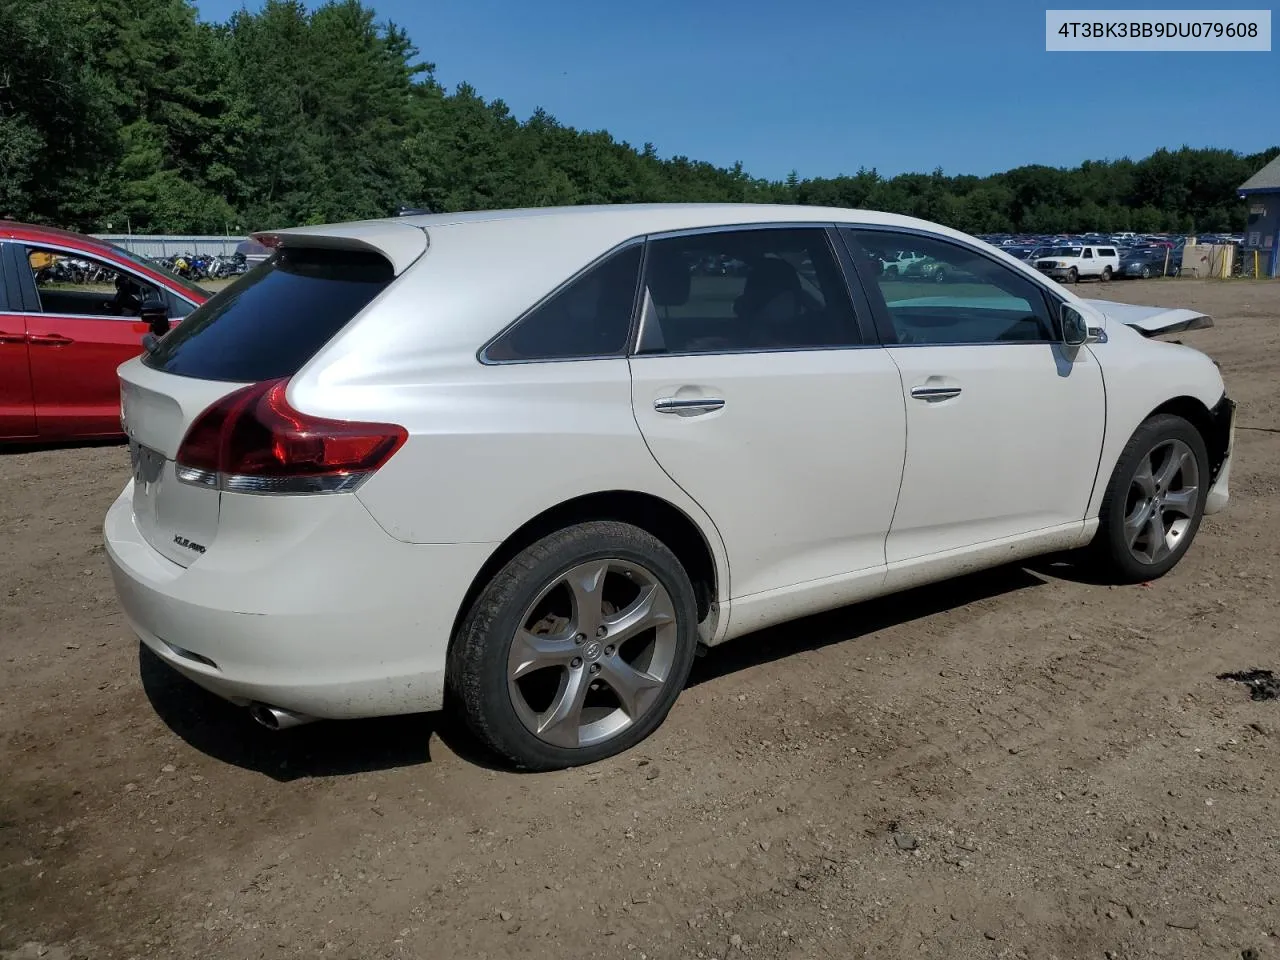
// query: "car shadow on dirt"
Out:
[227,733]
[1075,566]
[858,620]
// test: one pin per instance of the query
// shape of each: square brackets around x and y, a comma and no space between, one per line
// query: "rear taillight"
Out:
[252,441]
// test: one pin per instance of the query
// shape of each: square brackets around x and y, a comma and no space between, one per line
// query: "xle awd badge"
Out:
[188,544]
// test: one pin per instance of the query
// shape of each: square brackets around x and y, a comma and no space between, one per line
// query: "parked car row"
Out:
[1123,255]
[1065,258]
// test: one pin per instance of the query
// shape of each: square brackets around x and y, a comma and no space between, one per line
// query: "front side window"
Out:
[962,297]
[1088,254]
[76,286]
[746,290]
[587,318]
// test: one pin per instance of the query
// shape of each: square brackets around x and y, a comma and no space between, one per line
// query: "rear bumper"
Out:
[336,620]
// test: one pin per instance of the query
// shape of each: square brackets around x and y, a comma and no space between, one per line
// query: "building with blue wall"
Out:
[1261,193]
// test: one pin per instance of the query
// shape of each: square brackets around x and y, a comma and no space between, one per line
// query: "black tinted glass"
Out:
[275,318]
[746,290]
[591,317]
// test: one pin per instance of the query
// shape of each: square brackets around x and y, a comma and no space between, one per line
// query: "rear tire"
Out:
[1154,501]
[1146,273]
[577,648]
[1106,273]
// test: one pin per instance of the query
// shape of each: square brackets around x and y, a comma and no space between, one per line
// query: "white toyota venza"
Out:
[528,462]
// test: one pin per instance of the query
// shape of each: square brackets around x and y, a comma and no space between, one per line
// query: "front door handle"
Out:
[934,394]
[687,406]
[48,340]
[12,337]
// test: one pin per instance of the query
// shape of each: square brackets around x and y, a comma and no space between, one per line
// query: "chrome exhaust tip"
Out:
[276,718]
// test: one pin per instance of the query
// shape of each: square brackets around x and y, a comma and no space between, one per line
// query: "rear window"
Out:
[590,317]
[275,318]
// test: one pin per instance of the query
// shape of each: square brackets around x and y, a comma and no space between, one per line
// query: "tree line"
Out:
[135,114]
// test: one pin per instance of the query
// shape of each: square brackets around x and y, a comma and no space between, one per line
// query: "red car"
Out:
[70,313]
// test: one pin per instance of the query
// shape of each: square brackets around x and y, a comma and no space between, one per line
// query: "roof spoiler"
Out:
[401,243]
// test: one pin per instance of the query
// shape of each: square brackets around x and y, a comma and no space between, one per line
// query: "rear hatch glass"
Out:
[275,318]
[266,325]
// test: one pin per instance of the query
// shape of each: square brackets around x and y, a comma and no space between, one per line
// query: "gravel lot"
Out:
[1017,764]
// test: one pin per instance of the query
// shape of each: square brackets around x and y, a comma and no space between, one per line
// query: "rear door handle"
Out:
[687,406]
[934,394]
[48,340]
[12,337]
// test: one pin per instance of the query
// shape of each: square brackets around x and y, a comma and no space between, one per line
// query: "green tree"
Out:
[135,109]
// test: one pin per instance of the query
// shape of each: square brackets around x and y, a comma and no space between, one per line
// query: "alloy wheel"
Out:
[592,653]
[1162,501]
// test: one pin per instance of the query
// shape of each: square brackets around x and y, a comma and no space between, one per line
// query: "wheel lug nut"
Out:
[595,668]
[580,639]
[608,651]
[601,631]
[576,662]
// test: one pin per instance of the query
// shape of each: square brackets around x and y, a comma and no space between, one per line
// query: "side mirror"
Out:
[155,314]
[1075,327]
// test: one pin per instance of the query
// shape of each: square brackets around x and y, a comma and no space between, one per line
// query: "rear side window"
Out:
[275,318]
[587,318]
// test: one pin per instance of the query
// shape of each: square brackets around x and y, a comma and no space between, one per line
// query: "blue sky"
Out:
[826,87]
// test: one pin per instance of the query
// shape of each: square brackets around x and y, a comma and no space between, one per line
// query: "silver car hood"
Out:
[1151,321]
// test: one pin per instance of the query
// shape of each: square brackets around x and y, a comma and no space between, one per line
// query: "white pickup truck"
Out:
[1071,262]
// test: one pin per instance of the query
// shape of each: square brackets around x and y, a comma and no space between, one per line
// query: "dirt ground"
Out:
[1017,764]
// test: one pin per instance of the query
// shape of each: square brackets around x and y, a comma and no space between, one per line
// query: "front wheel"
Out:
[1146,273]
[577,648]
[1073,275]
[1154,501]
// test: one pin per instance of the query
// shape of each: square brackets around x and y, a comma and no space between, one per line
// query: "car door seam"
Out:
[906,449]
[635,417]
[1106,427]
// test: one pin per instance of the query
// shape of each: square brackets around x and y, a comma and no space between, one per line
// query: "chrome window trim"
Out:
[79,316]
[823,224]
